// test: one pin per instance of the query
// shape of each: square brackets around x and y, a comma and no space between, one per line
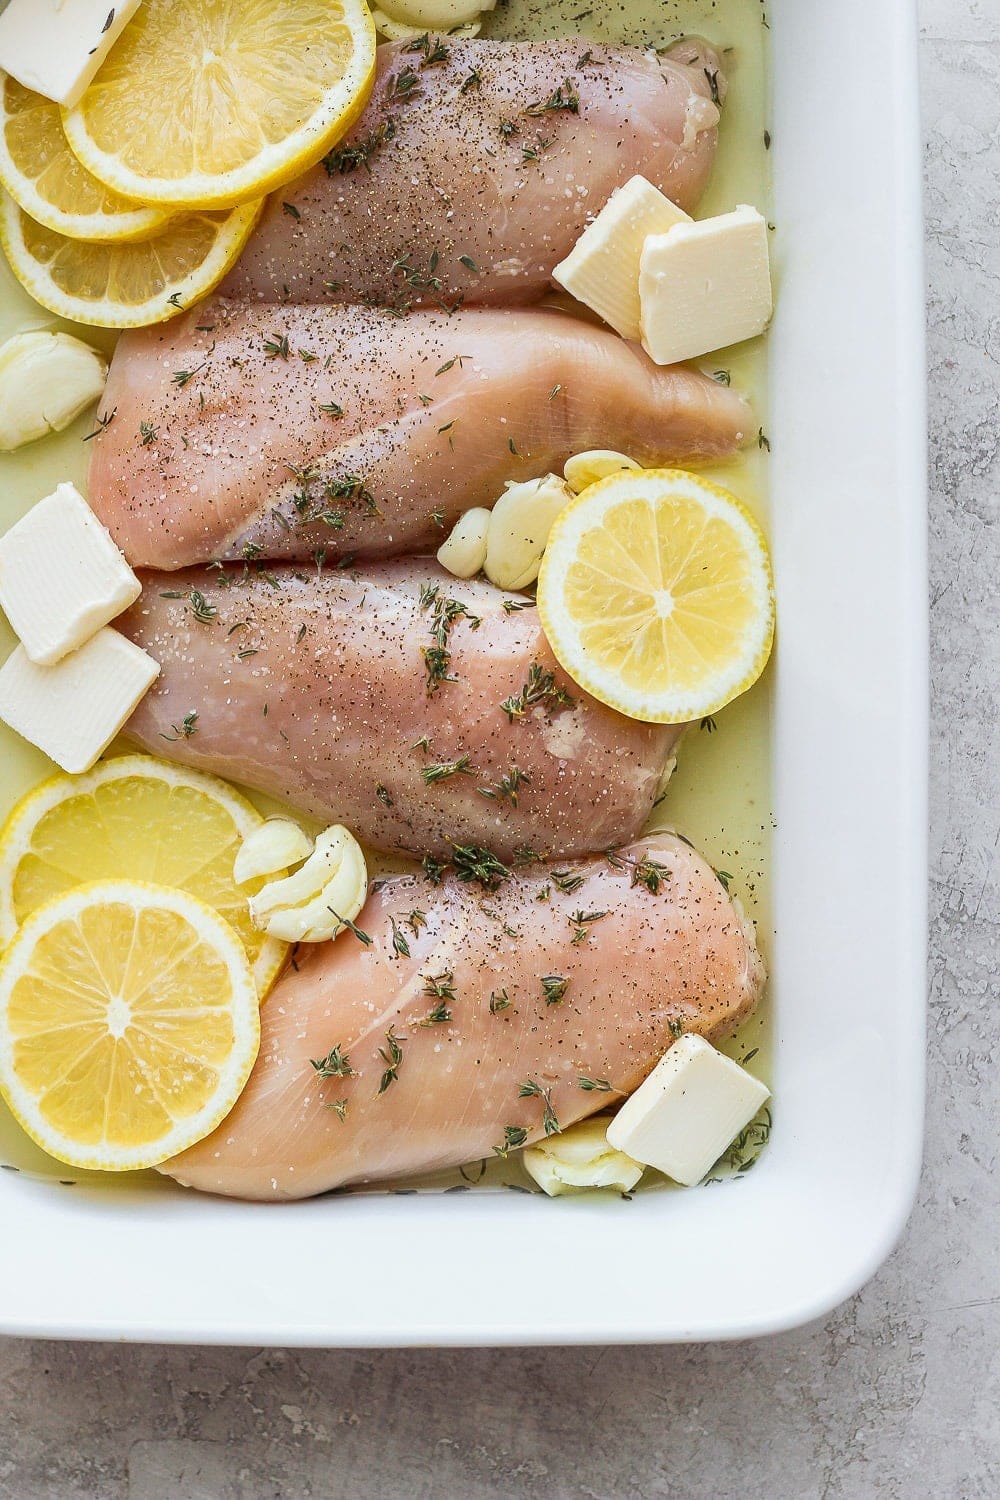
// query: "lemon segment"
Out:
[44,178]
[656,596]
[205,103]
[134,818]
[124,284]
[129,1024]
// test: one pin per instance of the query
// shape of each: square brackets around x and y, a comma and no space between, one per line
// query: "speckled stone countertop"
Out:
[898,1393]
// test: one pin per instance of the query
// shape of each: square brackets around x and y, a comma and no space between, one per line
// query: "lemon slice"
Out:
[44,177]
[134,818]
[129,1024]
[203,103]
[655,594]
[124,284]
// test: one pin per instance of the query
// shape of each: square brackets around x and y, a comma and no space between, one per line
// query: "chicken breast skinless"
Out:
[326,690]
[276,431]
[468,1021]
[468,179]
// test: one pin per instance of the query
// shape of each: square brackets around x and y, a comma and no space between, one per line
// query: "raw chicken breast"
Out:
[469,178]
[316,688]
[464,997]
[274,431]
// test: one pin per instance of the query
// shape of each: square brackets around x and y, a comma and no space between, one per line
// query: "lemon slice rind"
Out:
[129,73]
[266,954]
[571,626]
[117,220]
[168,296]
[215,937]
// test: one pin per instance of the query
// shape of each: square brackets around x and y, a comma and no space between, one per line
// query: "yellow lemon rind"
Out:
[297,152]
[18,829]
[246,1015]
[585,512]
[176,297]
[135,221]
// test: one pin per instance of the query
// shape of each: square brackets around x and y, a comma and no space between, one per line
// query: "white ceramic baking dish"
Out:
[832,1191]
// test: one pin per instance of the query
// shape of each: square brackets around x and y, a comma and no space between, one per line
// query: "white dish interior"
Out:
[828,1197]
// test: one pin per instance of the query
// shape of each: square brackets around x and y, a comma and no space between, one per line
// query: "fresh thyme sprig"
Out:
[508,787]
[513,1137]
[565,97]
[392,1055]
[582,921]
[444,613]
[540,688]
[336,1064]
[443,769]
[650,873]
[532,1090]
[346,159]
[554,987]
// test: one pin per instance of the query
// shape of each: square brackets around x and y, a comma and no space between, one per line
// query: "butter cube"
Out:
[73,710]
[61,576]
[602,269]
[580,1157]
[56,46]
[689,1109]
[704,285]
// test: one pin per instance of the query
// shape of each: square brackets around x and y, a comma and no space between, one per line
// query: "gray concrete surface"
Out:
[897,1394]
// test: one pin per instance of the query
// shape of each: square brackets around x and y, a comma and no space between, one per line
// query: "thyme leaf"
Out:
[392,1055]
[336,1064]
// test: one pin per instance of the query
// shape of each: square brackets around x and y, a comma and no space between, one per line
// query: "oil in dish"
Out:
[435,546]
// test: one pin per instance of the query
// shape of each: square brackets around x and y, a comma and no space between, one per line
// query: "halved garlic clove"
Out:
[324,894]
[587,468]
[46,381]
[277,844]
[520,523]
[464,552]
[580,1157]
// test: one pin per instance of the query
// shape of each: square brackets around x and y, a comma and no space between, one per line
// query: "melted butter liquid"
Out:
[719,796]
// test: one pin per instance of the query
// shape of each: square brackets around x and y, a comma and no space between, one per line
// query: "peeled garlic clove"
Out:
[464,553]
[400,31]
[580,1157]
[587,468]
[277,844]
[311,905]
[434,15]
[46,381]
[520,523]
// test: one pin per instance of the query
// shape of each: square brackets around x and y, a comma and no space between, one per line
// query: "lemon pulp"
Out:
[129,1024]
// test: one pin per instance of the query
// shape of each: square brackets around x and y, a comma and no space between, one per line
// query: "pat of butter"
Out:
[56,46]
[73,710]
[580,1157]
[704,285]
[61,576]
[602,269]
[689,1109]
